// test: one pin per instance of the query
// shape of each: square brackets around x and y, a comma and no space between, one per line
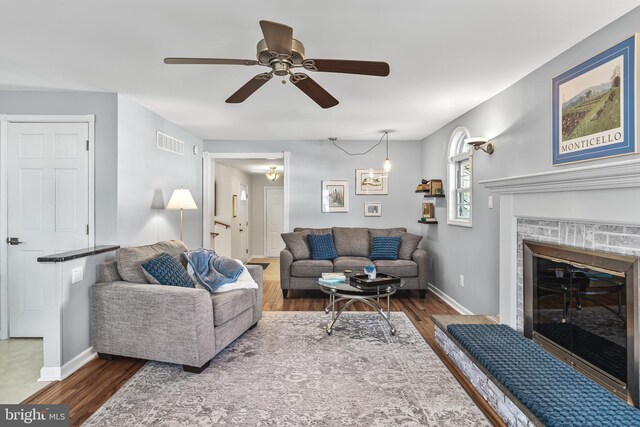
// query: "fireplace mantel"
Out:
[605,194]
[624,174]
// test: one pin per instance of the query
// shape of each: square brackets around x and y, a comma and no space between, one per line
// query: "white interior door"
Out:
[48,211]
[274,220]
[243,220]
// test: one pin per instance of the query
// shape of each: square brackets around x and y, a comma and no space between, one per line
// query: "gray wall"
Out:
[147,177]
[104,107]
[256,203]
[314,161]
[518,120]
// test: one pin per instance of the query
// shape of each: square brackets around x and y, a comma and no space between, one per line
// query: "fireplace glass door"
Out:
[583,310]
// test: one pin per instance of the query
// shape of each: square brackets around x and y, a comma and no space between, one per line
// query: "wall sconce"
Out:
[481,143]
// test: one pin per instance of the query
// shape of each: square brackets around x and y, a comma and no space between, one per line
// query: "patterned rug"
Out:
[289,372]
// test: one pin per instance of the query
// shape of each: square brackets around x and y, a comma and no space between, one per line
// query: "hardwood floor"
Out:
[92,385]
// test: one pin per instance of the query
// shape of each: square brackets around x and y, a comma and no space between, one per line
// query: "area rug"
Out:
[288,372]
[264,265]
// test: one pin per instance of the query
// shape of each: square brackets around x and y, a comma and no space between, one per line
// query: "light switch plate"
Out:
[490,202]
[77,274]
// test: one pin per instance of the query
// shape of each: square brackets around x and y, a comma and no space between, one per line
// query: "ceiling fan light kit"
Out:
[282,53]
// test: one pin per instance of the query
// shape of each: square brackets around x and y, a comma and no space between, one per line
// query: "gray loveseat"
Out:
[188,326]
[353,245]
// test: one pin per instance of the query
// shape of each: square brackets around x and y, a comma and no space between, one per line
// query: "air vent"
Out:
[169,143]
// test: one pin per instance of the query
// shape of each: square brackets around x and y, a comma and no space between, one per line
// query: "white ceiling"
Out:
[253,166]
[445,57]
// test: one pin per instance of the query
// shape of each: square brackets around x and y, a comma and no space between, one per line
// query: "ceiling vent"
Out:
[169,143]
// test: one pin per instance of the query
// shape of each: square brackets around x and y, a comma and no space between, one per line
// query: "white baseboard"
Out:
[450,301]
[58,374]
[50,374]
[256,256]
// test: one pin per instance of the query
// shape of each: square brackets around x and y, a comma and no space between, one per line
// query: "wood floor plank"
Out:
[93,384]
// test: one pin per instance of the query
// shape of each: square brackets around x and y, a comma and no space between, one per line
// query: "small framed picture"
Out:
[335,196]
[371,181]
[427,210]
[372,209]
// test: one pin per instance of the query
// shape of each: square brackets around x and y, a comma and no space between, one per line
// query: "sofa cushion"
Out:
[375,232]
[129,260]
[311,268]
[408,243]
[385,247]
[353,263]
[297,244]
[399,267]
[322,247]
[307,231]
[165,270]
[227,305]
[351,241]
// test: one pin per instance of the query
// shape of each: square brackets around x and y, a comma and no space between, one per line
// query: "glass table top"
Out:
[347,288]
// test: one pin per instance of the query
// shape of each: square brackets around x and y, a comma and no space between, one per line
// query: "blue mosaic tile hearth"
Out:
[555,393]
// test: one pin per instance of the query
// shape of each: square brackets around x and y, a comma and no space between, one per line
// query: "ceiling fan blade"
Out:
[277,36]
[247,90]
[313,90]
[368,68]
[210,61]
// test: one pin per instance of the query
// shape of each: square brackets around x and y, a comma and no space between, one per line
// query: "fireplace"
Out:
[581,306]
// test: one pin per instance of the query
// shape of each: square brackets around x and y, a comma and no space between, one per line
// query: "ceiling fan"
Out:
[282,53]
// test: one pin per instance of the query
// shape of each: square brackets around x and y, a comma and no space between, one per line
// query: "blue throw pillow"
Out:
[322,246]
[165,270]
[385,247]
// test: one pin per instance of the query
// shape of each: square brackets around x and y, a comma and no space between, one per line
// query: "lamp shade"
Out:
[181,199]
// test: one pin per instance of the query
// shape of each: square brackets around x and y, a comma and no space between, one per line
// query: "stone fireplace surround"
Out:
[592,207]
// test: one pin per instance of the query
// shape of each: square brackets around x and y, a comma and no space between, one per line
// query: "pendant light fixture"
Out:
[387,162]
[273,174]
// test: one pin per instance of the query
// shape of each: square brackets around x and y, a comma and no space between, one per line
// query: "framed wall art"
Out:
[594,107]
[335,196]
[371,181]
[372,209]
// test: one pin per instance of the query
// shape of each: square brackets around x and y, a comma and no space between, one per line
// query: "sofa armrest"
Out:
[165,323]
[286,260]
[421,257]
[256,273]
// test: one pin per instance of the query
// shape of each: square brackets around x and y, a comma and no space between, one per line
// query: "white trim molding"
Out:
[447,299]
[58,374]
[625,174]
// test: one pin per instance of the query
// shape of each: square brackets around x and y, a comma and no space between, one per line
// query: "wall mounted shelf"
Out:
[427,222]
[427,194]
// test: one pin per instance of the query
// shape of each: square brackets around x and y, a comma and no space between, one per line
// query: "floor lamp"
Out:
[181,199]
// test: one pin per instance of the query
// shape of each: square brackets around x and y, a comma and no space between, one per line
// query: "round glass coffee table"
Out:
[371,296]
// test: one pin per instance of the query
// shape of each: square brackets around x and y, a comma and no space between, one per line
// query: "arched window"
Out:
[460,178]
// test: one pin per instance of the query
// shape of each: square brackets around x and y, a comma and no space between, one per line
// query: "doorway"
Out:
[46,206]
[235,195]
[47,211]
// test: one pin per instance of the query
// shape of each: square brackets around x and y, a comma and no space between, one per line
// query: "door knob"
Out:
[13,241]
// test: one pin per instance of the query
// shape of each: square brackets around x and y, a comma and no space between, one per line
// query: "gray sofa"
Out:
[353,245]
[188,326]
